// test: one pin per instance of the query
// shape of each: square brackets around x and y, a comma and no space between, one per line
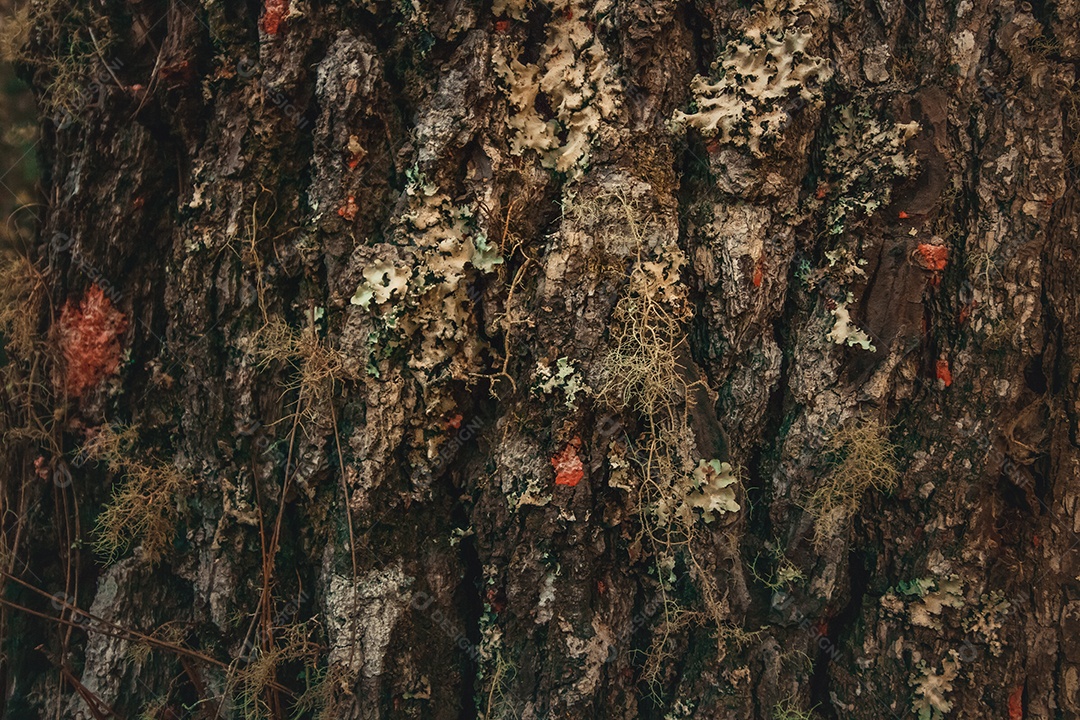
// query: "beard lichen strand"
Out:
[673,487]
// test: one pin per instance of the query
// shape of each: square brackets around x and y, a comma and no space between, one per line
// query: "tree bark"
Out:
[550,359]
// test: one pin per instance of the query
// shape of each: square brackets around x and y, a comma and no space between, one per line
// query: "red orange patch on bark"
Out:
[944,374]
[89,336]
[568,466]
[274,12]
[932,257]
[349,209]
[1016,703]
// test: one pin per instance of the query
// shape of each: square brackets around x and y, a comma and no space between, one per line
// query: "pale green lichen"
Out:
[381,281]
[577,81]
[917,587]
[424,292]
[710,490]
[756,79]
[713,491]
[564,377]
[947,592]
[864,158]
[843,265]
[931,596]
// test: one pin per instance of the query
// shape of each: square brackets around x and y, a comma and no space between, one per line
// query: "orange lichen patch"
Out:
[757,276]
[349,209]
[903,215]
[944,374]
[932,257]
[568,467]
[1016,703]
[502,26]
[454,422]
[89,336]
[274,12]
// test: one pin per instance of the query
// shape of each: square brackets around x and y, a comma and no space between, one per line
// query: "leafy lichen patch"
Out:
[576,79]
[416,286]
[757,80]
[866,155]
[931,687]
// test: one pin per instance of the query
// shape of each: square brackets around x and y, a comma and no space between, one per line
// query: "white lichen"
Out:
[711,490]
[545,605]
[845,332]
[577,81]
[759,79]
[931,687]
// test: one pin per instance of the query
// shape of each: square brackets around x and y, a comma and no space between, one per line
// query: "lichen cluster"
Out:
[866,156]
[417,285]
[760,79]
[574,76]
[862,460]
[844,331]
[930,686]
[675,492]
[564,377]
[922,603]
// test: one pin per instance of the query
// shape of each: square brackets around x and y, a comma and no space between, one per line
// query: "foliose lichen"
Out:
[563,377]
[866,155]
[420,288]
[845,332]
[759,80]
[576,79]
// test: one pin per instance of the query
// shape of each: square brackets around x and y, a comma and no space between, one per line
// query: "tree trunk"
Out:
[550,359]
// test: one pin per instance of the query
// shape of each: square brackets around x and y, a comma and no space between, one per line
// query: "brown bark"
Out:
[437,324]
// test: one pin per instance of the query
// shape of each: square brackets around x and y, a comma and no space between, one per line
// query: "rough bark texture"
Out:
[391,353]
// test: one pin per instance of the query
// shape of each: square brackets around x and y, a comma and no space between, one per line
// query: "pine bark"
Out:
[457,537]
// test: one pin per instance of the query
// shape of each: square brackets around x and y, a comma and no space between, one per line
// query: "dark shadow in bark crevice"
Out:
[828,645]
[471,608]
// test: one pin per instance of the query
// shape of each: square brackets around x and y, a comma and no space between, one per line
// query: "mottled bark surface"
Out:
[389,357]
